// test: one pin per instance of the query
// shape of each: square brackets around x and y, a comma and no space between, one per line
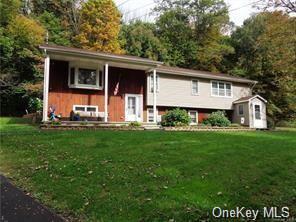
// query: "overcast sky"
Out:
[239,10]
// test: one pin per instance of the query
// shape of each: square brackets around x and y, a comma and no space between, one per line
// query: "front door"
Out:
[133,107]
[257,115]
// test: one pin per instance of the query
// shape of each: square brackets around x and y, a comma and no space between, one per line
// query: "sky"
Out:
[239,10]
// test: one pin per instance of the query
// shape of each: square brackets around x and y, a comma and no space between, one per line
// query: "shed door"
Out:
[257,115]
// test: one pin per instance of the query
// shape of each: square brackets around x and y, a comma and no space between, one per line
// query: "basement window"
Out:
[193,117]
[85,108]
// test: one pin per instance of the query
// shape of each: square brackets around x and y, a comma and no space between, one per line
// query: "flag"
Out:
[116,90]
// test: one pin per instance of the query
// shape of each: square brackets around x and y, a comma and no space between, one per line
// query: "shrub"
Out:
[217,119]
[235,125]
[134,124]
[35,104]
[175,117]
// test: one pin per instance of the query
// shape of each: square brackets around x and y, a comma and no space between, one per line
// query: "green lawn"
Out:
[149,176]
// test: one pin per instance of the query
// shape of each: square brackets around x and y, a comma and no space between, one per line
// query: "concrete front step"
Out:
[152,127]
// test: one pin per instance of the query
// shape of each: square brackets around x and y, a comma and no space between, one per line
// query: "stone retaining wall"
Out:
[87,127]
[200,128]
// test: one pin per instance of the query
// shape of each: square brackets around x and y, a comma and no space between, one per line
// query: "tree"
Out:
[139,39]
[8,9]
[20,62]
[177,36]
[192,32]
[26,35]
[100,26]
[56,32]
[288,5]
[266,51]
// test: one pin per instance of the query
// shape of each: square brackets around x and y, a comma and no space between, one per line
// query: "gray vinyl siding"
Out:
[175,91]
[236,118]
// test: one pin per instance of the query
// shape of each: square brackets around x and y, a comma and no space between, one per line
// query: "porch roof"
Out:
[124,61]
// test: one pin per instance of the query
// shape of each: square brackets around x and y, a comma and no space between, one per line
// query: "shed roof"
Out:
[248,98]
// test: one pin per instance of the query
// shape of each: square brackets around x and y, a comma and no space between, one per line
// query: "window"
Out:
[85,78]
[150,116]
[221,89]
[152,82]
[257,112]
[193,117]
[91,109]
[241,110]
[194,87]
[85,108]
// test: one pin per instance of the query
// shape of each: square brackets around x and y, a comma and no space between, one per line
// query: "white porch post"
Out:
[154,97]
[45,88]
[106,92]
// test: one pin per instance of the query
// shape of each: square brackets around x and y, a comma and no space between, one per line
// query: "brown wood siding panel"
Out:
[130,82]
[63,98]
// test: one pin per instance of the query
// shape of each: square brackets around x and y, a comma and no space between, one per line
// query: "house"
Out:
[121,88]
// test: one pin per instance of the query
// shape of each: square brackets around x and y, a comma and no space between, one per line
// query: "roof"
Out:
[143,61]
[248,98]
[99,55]
[202,74]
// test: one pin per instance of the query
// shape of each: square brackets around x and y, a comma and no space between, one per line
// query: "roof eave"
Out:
[207,76]
[98,55]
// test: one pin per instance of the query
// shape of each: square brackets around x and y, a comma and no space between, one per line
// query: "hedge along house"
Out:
[119,88]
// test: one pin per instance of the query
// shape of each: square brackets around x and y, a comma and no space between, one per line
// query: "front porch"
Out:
[96,86]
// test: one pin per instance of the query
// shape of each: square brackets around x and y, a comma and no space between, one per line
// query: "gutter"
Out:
[99,55]
[207,76]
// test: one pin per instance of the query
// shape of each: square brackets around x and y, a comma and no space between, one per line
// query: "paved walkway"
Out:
[16,206]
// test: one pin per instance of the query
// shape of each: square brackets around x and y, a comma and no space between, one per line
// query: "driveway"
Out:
[17,206]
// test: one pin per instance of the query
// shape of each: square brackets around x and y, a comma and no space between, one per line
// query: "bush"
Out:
[134,124]
[35,105]
[217,119]
[235,125]
[283,123]
[175,117]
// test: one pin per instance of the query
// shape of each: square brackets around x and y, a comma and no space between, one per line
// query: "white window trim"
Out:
[192,93]
[76,85]
[196,113]
[85,107]
[157,83]
[238,110]
[218,81]
[153,115]
[260,112]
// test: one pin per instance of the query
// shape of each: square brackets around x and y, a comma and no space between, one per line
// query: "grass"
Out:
[149,176]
